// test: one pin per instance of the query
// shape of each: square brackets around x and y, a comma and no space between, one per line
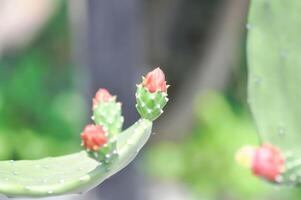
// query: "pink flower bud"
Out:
[155,81]
[268,162]
[102,95]
[93,137]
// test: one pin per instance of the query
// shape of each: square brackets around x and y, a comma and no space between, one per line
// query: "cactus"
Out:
[151,95]
[107,114]
[78,172]
[274,79]
[107,111]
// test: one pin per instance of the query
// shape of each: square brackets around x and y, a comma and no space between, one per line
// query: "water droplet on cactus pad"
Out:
[279,179]
[27,188]
[283,53]
[257,80]
[249,26]
[281,130]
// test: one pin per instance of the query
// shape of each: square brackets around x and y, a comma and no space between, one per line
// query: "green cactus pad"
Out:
[108,114]
[274,94]
[75,173]
[150,105]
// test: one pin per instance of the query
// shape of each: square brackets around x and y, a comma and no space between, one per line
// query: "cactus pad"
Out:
[108,114]
[150,105]
[75,173]
[274,82]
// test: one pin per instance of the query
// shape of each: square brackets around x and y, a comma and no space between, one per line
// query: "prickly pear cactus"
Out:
[107,112]
[106,151]
[274,94]
[151,95]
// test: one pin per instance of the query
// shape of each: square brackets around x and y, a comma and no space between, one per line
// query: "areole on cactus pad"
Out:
[274,79]
[107,150]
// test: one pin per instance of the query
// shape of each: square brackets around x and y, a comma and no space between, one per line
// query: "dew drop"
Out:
[281,130]
[249,26]
[27,188]
[62,181]
[257,80]
[50,192]
[279,179]
[83,178]
[283,53]
[248,100]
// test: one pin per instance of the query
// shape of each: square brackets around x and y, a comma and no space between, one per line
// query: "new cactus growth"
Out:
[107,112]
[274,81]
[107,150]
[151,95]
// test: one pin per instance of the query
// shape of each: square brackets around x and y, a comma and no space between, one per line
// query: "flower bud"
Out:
[102,95]
[151,95]
[93,137]
[268,162]
[155,81]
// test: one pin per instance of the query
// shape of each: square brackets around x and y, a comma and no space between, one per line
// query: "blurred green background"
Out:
[43,107]
[40,110]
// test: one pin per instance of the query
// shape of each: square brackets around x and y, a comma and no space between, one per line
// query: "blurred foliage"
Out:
[204,160]
[40,111]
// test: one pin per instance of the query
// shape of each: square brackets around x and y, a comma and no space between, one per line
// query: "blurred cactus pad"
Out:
[273,53]
[107,150]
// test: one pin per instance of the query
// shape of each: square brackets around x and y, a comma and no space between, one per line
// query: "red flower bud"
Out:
[155,80]
[102,95]
[268,162]
[93,137]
